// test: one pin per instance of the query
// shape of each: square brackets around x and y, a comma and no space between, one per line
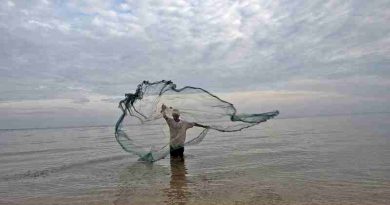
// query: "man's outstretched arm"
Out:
[199,125]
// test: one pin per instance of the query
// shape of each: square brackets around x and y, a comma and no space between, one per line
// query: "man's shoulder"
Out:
[184,121]
[170,120]
[188,124]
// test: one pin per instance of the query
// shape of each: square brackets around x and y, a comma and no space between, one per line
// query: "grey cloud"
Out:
[81,100]
[108,47]
[358,87]
[112,100]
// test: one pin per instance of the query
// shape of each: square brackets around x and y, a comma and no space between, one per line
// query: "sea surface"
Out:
[312,160]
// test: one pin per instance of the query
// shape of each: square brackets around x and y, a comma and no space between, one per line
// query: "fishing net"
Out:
[142,124]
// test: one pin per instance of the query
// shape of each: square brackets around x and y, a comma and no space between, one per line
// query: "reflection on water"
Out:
[141,182]
[178,191]
[149,182]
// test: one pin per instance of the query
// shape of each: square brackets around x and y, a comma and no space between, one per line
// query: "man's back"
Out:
[178,131]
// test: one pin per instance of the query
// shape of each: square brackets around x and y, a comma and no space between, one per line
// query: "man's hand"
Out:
[163,107]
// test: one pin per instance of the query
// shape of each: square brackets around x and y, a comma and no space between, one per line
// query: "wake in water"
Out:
[195,104]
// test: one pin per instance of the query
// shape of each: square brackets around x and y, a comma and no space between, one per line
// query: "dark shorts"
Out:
[177,152]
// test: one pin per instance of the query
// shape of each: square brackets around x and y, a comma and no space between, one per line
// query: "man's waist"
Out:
[176,146]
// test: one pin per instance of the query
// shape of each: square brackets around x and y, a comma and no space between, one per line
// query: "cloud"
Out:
[108,47]
[81,100]
[373,87]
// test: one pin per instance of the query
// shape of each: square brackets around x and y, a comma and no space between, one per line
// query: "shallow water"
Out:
[322,160]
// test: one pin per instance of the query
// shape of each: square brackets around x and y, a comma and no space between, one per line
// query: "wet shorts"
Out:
[178,152]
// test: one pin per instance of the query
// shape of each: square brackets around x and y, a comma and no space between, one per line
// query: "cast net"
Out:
[141,123]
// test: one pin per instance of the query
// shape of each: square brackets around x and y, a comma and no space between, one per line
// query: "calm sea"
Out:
[317,160]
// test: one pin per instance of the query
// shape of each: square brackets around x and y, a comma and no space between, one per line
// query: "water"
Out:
[322,160]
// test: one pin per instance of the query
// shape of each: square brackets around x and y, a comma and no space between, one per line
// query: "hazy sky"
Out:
[65,63]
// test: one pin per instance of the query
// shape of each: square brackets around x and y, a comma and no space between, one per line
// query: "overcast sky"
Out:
[65,63]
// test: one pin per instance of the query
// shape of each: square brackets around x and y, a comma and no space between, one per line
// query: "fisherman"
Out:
[177,129]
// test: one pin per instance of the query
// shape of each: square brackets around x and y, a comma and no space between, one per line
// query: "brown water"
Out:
[323,160]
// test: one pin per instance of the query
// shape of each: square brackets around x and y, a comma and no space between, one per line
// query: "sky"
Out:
[68,63]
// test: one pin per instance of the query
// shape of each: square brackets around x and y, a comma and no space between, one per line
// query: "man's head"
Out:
[175,114]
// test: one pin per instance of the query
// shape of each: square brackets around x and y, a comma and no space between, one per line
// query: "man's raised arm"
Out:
[163,108]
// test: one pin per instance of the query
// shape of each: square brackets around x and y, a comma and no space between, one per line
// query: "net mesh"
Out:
[141,113]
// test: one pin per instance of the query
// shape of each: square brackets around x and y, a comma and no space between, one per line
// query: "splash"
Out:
[195,105]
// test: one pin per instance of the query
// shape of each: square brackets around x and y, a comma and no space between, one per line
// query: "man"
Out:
[177,129]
